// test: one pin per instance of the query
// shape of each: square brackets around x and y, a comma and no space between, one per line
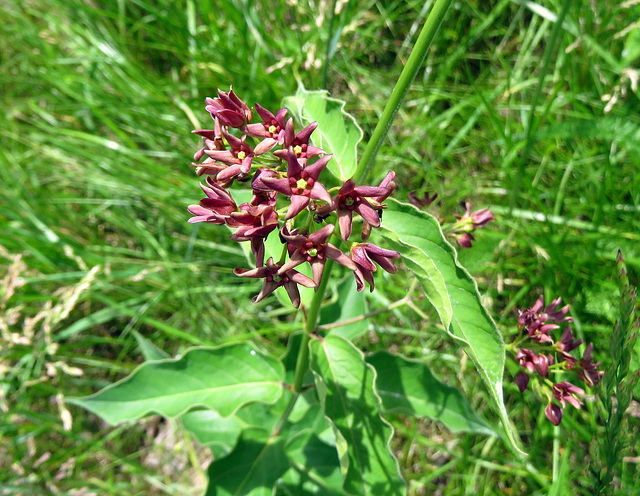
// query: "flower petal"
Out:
[298,204]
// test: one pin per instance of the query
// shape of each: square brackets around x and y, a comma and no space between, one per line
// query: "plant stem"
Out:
[408,74]
[302,364]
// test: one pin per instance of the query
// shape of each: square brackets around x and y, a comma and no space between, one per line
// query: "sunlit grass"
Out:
[98,102]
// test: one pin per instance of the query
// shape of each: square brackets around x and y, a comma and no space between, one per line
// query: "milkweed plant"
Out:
[288,184]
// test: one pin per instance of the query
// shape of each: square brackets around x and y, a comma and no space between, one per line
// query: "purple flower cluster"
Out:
[543,354]
[288,196]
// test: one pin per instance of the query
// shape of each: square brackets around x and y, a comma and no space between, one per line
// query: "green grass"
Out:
[98,102]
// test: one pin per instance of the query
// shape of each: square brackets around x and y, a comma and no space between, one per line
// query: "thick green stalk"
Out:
[302,365]
[418,54]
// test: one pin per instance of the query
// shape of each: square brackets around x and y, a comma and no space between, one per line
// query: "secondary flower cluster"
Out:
[462,229]
[284,170]
[543,354]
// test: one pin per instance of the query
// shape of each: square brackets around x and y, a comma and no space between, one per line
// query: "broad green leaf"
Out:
[218,433]
[348,304]
[252,469]
[222,378]
[315,468]
[410,388]
[149,350]
[345,386]
[312,454]
[337,132]
[452,291]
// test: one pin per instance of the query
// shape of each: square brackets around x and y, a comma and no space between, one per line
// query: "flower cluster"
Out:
[544,354]
[461,230]
[284,169]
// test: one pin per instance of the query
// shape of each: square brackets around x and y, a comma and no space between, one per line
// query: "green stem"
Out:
[302,364]
[418,54]
[407,75]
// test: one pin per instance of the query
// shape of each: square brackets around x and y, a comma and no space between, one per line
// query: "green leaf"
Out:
[222,378]
[452,291]
[348,304]
[312,454]
[252,469]
[410,388]
[149,350]
[315,468]
[218,433]
[345,386]
[337,132]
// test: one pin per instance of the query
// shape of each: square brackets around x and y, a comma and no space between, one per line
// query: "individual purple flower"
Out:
[253,223]
[522,380]
[264,198]
[239,158]
[364,254]
[352,198]
[538,320]
[531,361]
[301,183]
[475,220]
[464,240]
[388,185]
[274,278]
[299,143]
[216,207]
[212,139]
[210,167]
[566,345]
[229,109]
[271,130]
[587,370]
[424,202]
[462,229]
[565,392]
[553,413]
[314,249]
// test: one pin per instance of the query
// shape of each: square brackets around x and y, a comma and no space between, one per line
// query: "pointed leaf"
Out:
[410,388]
[452,291]
[345,386]
[222,378]
[149,350]
[337,132]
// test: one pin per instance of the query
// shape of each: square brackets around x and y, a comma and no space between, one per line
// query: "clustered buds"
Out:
[288,196]
[544,355]
[461,230]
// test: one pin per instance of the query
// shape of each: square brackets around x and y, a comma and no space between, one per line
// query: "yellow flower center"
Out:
[242,155]
[312,252]
[349,201]
[297,149]
[301,184]
[272,129]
